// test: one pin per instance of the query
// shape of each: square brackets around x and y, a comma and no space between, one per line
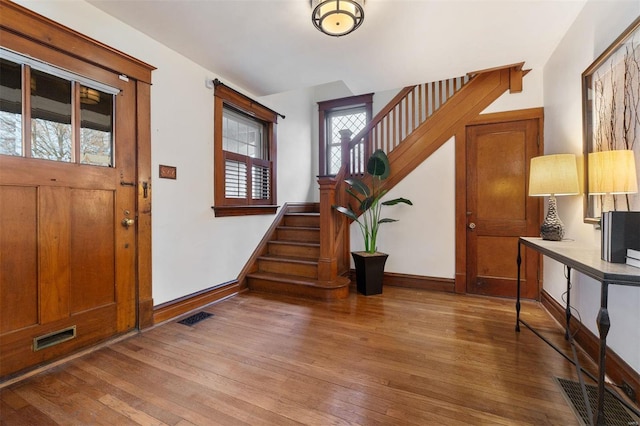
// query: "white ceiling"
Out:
[271,46]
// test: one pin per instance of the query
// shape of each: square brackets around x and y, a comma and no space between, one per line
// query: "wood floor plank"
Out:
[98,387]
[153,395]
[130,412]
[407,357]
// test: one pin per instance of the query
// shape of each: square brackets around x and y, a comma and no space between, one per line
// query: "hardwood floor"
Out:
[406,357]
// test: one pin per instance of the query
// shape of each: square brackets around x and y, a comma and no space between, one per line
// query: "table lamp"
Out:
[553,175]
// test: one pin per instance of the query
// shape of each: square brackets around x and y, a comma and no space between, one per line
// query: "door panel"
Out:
[92,220]
[498,207]
[18,301]
[54,252]
[500,171]
[66,259]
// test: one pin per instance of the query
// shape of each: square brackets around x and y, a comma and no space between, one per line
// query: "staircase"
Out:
[306,251]
[288,262]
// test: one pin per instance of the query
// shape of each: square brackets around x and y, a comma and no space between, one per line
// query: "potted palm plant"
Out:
[370,263]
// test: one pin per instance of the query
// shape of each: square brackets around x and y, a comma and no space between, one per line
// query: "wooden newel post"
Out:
[345,140]
[328,262]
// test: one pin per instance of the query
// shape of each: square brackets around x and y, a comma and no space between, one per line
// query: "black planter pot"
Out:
[369,271]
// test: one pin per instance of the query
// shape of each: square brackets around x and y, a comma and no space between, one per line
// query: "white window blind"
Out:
[236,179]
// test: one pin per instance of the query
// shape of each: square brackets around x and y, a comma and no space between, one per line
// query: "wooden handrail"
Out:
[383,113]
[407,111]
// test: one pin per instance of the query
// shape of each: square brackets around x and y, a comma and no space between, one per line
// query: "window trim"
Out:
[324,110]
[225,96]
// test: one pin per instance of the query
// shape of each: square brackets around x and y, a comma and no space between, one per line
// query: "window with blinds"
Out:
[244,145]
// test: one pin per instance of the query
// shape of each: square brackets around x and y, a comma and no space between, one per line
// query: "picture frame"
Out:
[611,114]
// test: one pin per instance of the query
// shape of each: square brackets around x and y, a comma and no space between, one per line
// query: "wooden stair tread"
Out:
[291,259]
[295,243]
[298,228]
[301,281]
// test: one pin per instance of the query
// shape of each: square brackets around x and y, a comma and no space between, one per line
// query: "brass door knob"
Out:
[126,222]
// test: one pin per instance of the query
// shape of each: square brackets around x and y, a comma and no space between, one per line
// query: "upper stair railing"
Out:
[413,125]
[411,107]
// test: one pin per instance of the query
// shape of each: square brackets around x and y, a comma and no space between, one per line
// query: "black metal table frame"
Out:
[605,278]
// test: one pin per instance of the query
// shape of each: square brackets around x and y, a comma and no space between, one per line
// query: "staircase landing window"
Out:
[352,113]
[244,150]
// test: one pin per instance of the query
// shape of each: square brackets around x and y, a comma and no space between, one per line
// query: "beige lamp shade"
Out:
[612,172]
[553,175]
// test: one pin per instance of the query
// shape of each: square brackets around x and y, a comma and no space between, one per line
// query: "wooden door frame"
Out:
[27,32]
[461,180]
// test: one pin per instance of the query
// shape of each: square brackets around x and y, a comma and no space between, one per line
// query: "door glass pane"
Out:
[10,108]
[50,117]
[96,127]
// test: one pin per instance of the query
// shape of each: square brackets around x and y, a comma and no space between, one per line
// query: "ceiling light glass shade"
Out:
[89,96]
[337,17]
[553,175]
[612,172]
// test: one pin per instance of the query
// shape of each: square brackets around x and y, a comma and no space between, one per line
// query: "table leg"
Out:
[567,309]
[603,330]
[519,261]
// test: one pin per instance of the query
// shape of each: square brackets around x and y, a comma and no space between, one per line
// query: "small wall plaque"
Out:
[168,172]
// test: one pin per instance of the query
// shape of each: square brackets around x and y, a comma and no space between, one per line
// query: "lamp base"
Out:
[552,228]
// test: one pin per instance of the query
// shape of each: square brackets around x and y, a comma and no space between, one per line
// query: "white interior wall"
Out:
[422,242]
[530,97]
[595,28]
[193,250]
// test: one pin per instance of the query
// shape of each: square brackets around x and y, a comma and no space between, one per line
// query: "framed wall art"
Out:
[611,117]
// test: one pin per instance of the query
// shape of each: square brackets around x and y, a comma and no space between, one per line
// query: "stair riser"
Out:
[294,250]
[302,235]
[308,221]
[289,268]
[269,286]
[306,208]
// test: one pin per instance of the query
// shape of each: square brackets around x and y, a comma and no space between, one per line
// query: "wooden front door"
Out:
[67,261]
[499,209]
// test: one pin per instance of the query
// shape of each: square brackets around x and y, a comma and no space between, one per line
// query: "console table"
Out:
[587,261]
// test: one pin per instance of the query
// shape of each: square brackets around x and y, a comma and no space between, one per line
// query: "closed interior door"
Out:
[67,214]
[499,209]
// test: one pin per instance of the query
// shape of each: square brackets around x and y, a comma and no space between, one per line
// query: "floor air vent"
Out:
[54,338]
[195,318]
[615,413]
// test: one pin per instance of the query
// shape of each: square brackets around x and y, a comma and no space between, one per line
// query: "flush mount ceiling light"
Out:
[89,96]
[337,17]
